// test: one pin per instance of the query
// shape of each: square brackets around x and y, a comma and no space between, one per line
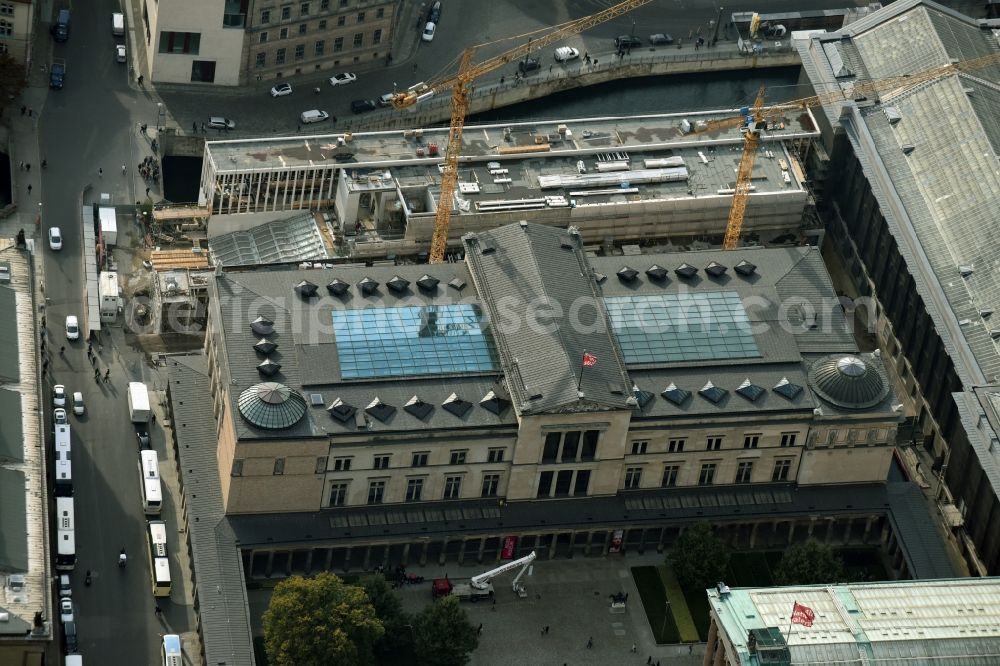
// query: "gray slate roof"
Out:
[10,370]
[11,427]
[222,604]
[531,267]
[13,522]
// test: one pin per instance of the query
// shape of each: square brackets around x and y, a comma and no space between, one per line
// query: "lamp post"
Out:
[160,117]
[718,20]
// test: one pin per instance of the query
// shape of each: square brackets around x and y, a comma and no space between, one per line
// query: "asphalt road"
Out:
[87,126]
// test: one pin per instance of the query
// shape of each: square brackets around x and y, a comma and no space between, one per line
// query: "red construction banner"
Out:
[509,548]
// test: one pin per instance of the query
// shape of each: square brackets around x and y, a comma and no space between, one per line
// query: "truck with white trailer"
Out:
[109,294]
[479,587]
[109,225]
[138,402]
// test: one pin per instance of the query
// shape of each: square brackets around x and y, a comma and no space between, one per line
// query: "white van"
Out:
[117,24]
[74,660]
[313,116]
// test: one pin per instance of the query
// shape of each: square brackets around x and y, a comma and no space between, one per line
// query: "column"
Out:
[812,526]
[329,559]
[848,524]
[406,554]
[270,563]
[482,550]
[288,562]
[423,554]
[309,561]
[830,522]
[753,534]
[366,563]
[347,558]
[552,545]
[461,551]
[660,545]
[791,531]
[868,528]
[444,551]
[572,542]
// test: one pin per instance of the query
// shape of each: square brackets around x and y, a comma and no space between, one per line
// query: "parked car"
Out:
[343,79]
[65,589]
[70,637]
[59,416]
[528,65]
[363,105]
[281,90]
[66,610]
[627,42]
[120,53]
[434,14]
[386,99]
[660,38]
[78,407]
[59,395]
[218,122]
[72,327]
[565,53]
[313,116]
[55,238]
[142,434]
[428,35]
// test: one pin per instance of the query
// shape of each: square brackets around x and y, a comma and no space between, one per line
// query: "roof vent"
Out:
[715,269]
[892,114]
[268,368]
[264,346]
[642,398]
[398,284]
[427,282]
[306,289]
[657,272]
[367,286]
[341,411]
[360,420]
[418,408]
[986,314]
[712,393]
[491,402]
[262,326]
[787,389]
[601,278]
[627,274]
[379,410]
[316,399]
[675,395]
[750,391]
[686,271]
[486,246]
[745,268]
[456,405]
[566,241]
[995,333]
[338,287]
[457,283]
[908,148]
[965,270]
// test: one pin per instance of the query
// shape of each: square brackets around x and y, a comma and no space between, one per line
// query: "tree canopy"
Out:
[444,635]
[389,611]
[699,558]
[12,79]
[320,620]
[809,563]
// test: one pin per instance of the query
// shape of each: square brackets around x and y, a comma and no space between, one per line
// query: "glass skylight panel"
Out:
[681,327]
[417,340]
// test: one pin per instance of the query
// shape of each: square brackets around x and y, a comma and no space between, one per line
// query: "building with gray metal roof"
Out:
[913,192]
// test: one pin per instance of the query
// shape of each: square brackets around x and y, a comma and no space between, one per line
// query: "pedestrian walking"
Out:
[586,57]
[546,630]
[550,69]
[479,630]
[147,191]
[27,166]
[45,164]
[29,189]
[203,131]
[690,649]
[24,109]
[298,128]
[43,345]
[194,127]
[649,660]
[141,79]
[62,351]
[30,112]
[157,611]
[124,168]
[100,171]
[107,375]
[154,421]
[20,165]
[590,643]
[45,366]
[634,648]
[97,374]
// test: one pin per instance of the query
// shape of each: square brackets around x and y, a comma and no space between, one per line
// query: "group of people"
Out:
[149,169]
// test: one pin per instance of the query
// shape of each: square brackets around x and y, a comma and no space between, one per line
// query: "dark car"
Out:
[142,434]
[69,635]
[363,105]
[627,42]
[660,38]
[434,15]
[529,65]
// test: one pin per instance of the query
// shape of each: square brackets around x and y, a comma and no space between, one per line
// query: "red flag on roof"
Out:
[589,360]
[802,615]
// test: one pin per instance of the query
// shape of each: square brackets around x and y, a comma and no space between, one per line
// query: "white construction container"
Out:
[138,402]
[109,225]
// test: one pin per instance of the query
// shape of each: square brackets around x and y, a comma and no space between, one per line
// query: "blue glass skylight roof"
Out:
[420,340]
[681,327]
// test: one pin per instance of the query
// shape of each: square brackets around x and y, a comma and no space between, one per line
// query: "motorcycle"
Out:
[86,580]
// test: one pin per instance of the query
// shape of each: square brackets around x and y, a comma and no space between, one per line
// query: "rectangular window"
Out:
[361,17]
[237,469]
[304,9]
[7,9]
[324,5]
[180,42]
[550,452]
[707,475]
[589,451]
[279,466]
[338,494]
[670,476]
[342,464]
[458,457]
[341,20]
[377,36]
[300,51]
[571,446]
[261,60]
[788,439]
[359,38]
[380,12]
[234,14]
[414,488]
[545,484]
[750,441]
[675,446]
[302,28]
[638,448]
[452,487]
[263,37]
[265,16]
[564,481]
[781,469]
[376,491]
[381,462]
[320,464]
[279,57]
[582,482]
[343,3]
[319,47]
[713,444]
[286,12]
[744,471]
[491,485]
[495,455]
[419,460]
[283,33]
[633,476]
[322,25]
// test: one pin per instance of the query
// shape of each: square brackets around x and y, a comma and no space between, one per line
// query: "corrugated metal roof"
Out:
[13,522]
[11,427]
[10,370]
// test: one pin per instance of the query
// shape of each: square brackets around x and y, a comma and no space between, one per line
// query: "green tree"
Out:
[12,80]
[699,558]
[320,620]
[809,563]
[444,636]
[389,611]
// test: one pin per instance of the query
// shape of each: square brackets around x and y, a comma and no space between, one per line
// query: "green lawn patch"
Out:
[654,601]
[750,569]
[697,603]
[686,627]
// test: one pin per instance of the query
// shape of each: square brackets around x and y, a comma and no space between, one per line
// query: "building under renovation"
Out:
[627,179]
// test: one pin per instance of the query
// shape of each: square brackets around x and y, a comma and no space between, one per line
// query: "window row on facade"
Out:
[710,443]
[316,49]
[292,11]
[412,488]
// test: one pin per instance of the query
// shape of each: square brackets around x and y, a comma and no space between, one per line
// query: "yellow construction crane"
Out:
[883,90]
[460,85]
